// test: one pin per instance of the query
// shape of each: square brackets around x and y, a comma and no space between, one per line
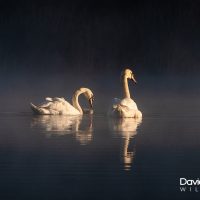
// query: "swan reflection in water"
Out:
[59,125]
[126,128]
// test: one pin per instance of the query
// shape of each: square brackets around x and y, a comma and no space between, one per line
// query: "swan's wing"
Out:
[129,104]
[61,99]
[55,99]
[45,104]
[58,105]
[123,108]
[62,106]
[48,99]
[52,103]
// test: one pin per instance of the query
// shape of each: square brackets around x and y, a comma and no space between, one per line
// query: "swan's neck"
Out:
[126,92]
[75,102]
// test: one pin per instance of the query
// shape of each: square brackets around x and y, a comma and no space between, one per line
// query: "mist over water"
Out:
[153,93]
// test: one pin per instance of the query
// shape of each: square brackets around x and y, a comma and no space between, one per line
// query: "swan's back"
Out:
[129,103]
[124,108]
[55,106]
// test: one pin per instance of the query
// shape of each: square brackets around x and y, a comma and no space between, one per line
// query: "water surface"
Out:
[95,157]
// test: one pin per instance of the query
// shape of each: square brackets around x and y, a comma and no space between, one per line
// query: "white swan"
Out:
[125,107]
[59,106]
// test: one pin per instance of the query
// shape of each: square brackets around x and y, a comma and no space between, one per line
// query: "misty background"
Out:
[51,48]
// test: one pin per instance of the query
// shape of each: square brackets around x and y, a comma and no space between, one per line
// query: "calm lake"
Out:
[96,157]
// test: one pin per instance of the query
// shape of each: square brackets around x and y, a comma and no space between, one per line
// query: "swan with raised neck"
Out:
[125,107]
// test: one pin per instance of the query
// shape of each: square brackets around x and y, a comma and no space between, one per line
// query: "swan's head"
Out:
[129,74]
[89,95]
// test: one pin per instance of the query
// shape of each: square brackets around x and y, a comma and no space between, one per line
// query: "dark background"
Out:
[51,48]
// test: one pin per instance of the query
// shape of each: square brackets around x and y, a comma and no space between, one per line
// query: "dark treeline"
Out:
[55,36]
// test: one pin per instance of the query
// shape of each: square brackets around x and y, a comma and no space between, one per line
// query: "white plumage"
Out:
[125,107]
[59,106]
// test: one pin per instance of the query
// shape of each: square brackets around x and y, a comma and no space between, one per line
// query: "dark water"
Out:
[59,157]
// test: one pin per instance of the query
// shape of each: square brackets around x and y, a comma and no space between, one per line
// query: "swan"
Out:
[59,106]
[125,107]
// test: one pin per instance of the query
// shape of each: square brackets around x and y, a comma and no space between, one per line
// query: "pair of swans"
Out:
[125,108]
